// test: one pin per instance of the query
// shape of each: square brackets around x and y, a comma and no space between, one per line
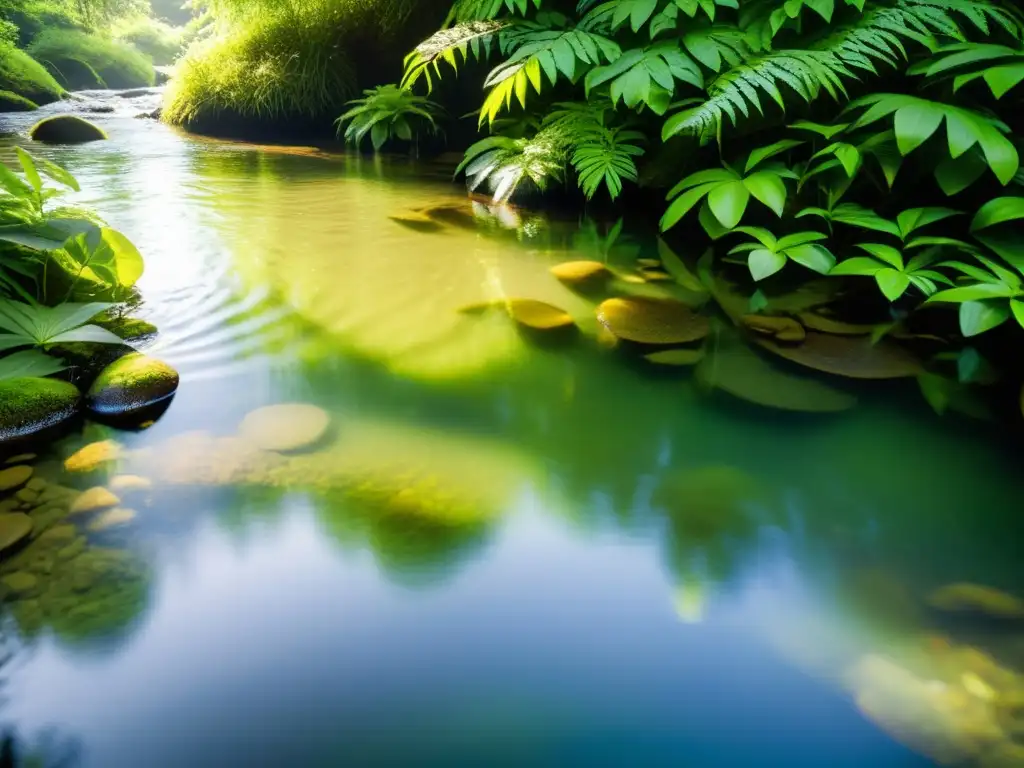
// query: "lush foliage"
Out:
[24,76]
[267,60]
[32,325]
[385,113]
[68,53]
[870,140]
[157,39]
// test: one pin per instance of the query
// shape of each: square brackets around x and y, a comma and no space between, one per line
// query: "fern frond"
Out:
[487,10]
[473,38]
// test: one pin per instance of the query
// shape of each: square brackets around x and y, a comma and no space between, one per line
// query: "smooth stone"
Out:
[73,550]
[66,129]
[849,356]
[13,528]
[676,357]
[93,456]
[36,484]
[285,427]
[94,499]
[538,315]
[112,518]
[59,534]
[29,406]
[15,477]
[27,496]
[977,598]
[131,384]
[580,272]
[9,505]
[127,483]
[19,583]
[652,321]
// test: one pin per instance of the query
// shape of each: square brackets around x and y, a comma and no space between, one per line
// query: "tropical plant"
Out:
[32,325]
[29,363]
[387,112]
[769,254]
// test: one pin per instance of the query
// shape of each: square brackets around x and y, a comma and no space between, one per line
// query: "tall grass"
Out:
[118,65]
[23,75]
[270,61]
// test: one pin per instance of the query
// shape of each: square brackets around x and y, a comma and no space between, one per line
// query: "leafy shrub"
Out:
[24,76]
[387,112]
[156,39]
[118,65]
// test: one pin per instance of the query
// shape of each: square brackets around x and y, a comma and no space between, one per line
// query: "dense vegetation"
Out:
[869,139]
[267,62]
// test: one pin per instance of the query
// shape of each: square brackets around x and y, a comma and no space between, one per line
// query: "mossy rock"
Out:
[29,406]
[14,528]
[66,129]
[652,321]
[12,102]
[977,598]
[849,356]
[742,372]
[285,427]
[133,384]
[18,583]
[74,74]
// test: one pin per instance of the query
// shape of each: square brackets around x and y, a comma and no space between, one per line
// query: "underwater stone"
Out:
[976,598]
[676,357]
[652,321]
[15,477]
[27,496]
[285,427]
[60,534]
[13,528]
[113,518]
[782,328]
[131,384]
[853,357]
[66,129]
[29,406]
[538,315]
[93,456]
[128,483]
[578,273]
[94,499]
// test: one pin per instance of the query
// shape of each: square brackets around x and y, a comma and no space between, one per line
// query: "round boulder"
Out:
[130,385]
[29,406]
[66,129]
[286,427]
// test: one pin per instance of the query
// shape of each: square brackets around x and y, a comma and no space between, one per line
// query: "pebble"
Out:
[113,518]
[94,499]
[93,456]
[14,477]
[123,483]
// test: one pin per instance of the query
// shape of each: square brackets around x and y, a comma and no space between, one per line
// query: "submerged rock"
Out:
[849,356]
[581,273]
[652,321]
[129,483]
[112,518]
[13,529]
[538,315]
[93,456]
[66,129]
[30,406]
[976,598]
[676,357]
[18,583]
[135,383]
[784,329]
[15,477]
[93,500]
[286,427]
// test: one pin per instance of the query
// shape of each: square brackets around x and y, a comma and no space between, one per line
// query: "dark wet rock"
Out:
[98,109]
[15,477]
[14,528]
[132,385]
[156,114]
[30,406]
[134,93]
[66,129]
[12,102]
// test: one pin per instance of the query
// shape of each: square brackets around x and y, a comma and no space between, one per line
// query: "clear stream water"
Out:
[580,623]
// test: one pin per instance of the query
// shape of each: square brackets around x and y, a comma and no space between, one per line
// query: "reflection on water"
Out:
[509,548]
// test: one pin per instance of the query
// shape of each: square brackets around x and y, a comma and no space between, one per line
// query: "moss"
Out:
[130,384]
[12,102]
[117,64]
[30,405]
[66,129]
[24,76]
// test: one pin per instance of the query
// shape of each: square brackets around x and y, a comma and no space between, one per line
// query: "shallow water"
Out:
[577,621]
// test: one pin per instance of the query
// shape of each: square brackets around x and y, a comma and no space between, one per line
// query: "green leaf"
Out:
[764,153]
[956,175]
[976,317]
[764,263]
[915,124]
[728,202]
[1017,307]
[769,189]
[88,333]
[886,253]
[892,283]
[976,292]
[814,257]
[857,265]
[998,211]
[30,363]
[29,167]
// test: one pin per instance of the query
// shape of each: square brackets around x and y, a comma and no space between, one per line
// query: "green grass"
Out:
[23,75]
[63,51]
[269,62]
[156,39]
[12,102]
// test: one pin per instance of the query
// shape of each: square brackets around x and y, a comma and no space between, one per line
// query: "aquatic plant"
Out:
[28,325]
[385,113]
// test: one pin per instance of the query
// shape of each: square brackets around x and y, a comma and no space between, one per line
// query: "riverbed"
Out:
[583,614]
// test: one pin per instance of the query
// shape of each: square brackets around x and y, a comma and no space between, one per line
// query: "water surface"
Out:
[577,621]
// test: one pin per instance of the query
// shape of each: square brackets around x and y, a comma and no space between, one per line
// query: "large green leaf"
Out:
[764,263]
[29,364]
[976,317]
[998,211]
[728,202]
